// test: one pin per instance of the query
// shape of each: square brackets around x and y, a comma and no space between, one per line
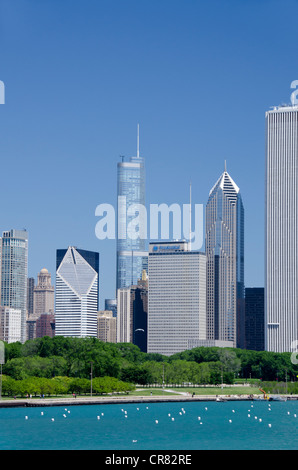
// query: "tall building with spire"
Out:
[224,246]
[281,267]
[131,251]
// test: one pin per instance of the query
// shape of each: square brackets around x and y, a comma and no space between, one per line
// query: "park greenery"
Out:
[60,365]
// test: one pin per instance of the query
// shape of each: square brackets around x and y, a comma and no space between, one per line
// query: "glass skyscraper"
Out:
[225,262]
[77,293]
[281,270]
[14,272]
[131,251]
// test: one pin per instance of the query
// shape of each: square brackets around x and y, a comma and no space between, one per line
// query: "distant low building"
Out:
[106,326]
[45,325]
[10,324]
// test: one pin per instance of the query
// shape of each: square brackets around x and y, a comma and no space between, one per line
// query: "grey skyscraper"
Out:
[225,262]
[281,270]
[131,194]
[176,298]
[14,267]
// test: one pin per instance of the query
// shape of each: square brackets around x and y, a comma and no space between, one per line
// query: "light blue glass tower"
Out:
[131,252]
[225,262]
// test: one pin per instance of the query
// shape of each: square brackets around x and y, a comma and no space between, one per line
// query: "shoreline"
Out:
[43,402]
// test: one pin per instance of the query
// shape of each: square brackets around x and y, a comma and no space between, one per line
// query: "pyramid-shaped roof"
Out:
[76,272]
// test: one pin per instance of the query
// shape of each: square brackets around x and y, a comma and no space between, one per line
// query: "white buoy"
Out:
[53,419]
[206,408]
[269,425]
[98,417]
[230,420]
[64,415]
[295,416]
[156,421]
[173,419]
[260,420]
[233,411]
[248,416]
[199,418]
[26,417]
[41,413]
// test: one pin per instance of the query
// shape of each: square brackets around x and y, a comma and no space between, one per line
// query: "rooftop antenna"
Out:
[225,165]
[138,143]
[189,245]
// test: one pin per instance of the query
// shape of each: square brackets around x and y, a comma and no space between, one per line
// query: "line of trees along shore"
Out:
[75,358]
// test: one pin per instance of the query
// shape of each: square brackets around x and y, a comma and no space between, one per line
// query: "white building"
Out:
[124,316]
[281,269]
[10,324]
[76,302]
[176,297]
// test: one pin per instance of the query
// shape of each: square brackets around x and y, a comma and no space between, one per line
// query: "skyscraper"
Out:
[225,262]
[254,318]
[131,194]
[281,270]
[77,293]
[14,267]
[44,294]
[176,298]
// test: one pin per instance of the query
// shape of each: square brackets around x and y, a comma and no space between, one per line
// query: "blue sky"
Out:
[198,77]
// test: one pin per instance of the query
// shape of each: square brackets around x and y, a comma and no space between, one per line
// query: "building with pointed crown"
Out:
[76,302]
[224,246]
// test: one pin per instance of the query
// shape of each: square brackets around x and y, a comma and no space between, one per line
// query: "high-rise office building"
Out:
[131,250]
[254,318]
[225,262]
[139,306]
[30,296]
[176,298]
[281,267]
[77,292]
[124,316]
[44,294]
[14,267]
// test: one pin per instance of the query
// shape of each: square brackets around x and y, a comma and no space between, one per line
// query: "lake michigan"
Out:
[243,425]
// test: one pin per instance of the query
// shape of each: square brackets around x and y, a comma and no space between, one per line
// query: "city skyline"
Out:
[102,70]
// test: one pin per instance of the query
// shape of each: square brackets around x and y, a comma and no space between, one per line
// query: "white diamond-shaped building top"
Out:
[226,183]
[76,272]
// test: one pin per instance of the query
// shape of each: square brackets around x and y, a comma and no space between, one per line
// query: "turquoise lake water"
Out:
[256,425]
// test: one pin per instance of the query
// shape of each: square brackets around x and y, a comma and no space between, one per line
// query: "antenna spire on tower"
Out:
[138,142]
[189,245]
